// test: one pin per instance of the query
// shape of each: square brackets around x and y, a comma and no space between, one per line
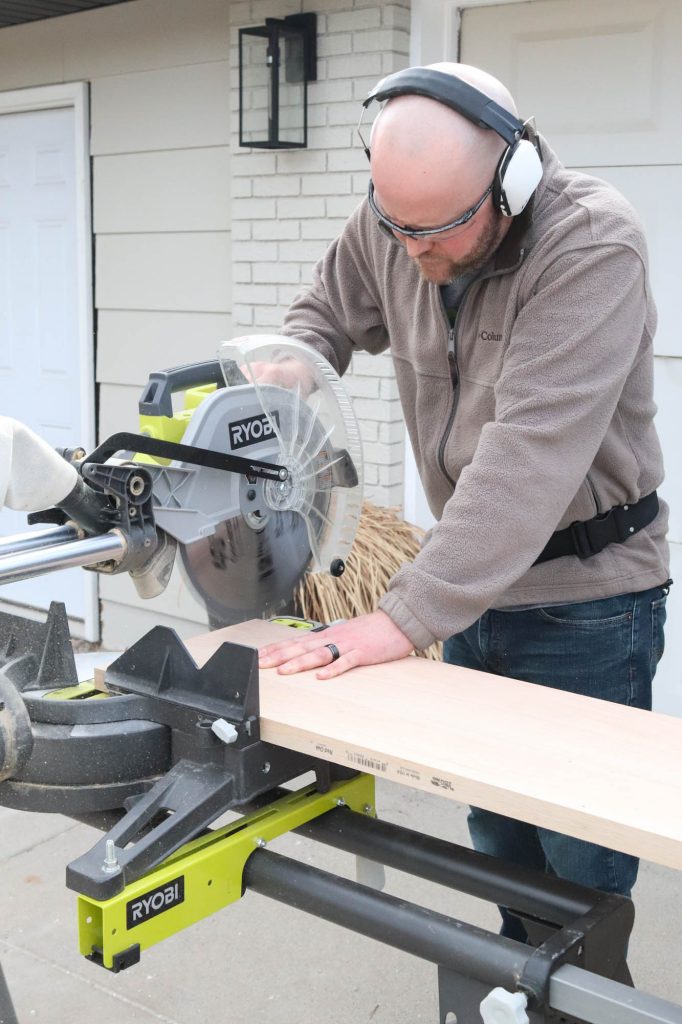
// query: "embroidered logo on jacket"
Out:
[490,336]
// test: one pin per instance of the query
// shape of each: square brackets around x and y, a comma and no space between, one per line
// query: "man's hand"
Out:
[288,373]
[365,640]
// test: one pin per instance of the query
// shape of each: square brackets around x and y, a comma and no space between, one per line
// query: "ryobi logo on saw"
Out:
[251,430]
[155,902]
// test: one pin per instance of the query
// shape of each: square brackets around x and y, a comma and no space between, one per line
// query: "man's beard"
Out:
[441,270]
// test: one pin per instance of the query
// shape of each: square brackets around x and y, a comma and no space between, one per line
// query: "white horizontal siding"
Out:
[114,40]
[118,409]
[189,271]
[171,190]
[171,108]
[31,55]
[145,35]
[133,343]
[123,624]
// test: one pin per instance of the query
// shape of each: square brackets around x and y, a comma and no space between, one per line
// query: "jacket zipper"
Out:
[454,376]
[454,365]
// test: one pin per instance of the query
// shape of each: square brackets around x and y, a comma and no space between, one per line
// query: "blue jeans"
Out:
[608,649]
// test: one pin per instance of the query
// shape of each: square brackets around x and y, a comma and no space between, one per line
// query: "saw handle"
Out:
[156,398]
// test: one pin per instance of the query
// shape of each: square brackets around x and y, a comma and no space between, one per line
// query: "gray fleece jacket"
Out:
[542,415]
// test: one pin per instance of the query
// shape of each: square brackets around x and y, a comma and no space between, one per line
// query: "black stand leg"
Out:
[7,1014]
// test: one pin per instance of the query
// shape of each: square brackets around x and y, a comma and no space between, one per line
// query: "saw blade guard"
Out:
[310,414]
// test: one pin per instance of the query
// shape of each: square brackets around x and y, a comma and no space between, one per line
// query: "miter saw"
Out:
[256,481]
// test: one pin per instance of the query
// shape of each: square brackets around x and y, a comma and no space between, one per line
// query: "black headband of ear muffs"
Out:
[454,93]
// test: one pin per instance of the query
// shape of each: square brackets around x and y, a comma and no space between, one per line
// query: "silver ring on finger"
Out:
[334,651]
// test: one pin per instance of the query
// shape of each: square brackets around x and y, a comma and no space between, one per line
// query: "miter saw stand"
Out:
[170,747]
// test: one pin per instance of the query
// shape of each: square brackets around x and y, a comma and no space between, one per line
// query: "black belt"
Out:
[612,527]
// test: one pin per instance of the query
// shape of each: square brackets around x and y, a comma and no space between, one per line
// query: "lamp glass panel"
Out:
[291,88]
[256,92]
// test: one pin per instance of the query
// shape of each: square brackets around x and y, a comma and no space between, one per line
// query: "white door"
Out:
[603,80]
[42,369]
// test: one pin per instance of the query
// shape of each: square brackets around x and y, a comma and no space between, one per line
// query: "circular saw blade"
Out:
[240,573]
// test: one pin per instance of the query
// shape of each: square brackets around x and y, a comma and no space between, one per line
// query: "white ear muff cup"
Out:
[518,175]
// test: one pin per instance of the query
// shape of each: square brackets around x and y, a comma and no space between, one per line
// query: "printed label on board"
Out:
[370,764]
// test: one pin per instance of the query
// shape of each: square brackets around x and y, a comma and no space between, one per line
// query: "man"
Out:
[523,352]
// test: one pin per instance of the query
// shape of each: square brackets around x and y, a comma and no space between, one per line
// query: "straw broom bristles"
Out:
[382,544]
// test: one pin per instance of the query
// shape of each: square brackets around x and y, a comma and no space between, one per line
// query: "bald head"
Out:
[426,151]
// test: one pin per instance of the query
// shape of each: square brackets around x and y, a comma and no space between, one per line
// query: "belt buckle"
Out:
[581,539]
[624,529]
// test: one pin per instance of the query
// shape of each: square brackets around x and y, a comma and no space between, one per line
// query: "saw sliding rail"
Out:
[21,542]
[25,555]
[59,552]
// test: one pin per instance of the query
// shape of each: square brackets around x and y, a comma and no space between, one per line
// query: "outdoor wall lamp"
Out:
[276,62]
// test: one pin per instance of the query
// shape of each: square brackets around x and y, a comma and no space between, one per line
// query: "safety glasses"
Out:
[391,228]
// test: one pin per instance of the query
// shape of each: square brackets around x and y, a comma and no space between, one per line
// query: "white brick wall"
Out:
[287,206]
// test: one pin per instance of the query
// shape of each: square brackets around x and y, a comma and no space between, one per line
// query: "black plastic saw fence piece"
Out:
[148,748]
[143,445]
[37,655]
[206,776]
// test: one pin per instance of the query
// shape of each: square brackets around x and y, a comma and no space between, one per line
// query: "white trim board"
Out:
[76,95]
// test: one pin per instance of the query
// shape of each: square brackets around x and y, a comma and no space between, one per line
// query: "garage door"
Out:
[43,370]
[603,80]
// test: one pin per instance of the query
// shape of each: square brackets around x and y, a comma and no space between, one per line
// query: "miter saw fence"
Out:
[257,480]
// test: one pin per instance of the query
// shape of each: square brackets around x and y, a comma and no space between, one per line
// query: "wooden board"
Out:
[595,770]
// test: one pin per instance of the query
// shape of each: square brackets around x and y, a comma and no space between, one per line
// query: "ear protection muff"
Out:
[519,170]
